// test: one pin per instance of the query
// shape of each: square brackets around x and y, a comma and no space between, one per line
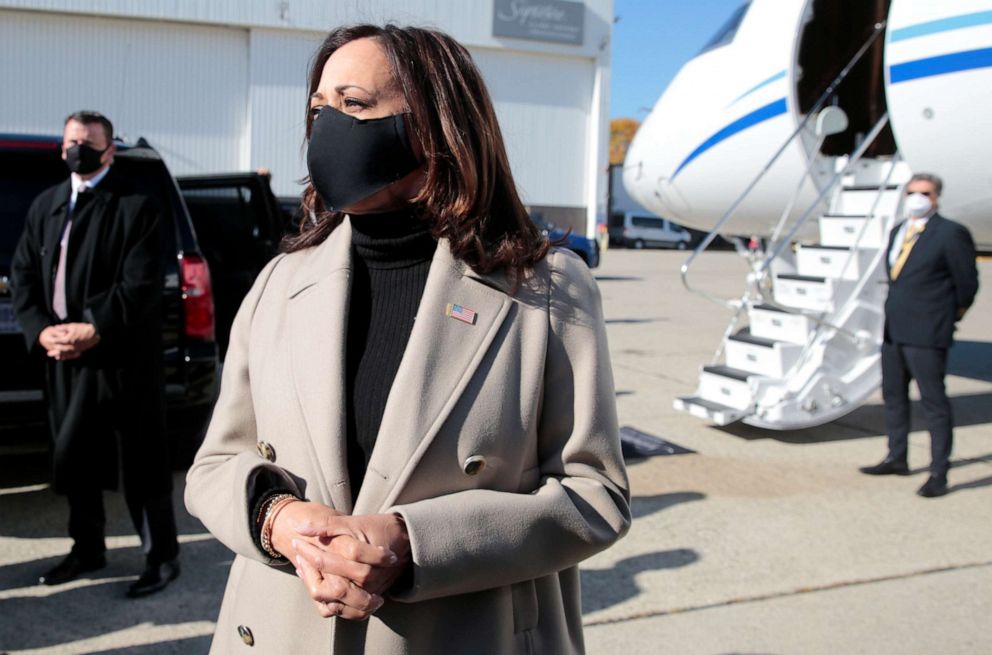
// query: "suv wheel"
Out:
[681,246]
[638,244]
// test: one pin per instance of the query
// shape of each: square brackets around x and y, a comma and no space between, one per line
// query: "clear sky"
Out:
[651,41]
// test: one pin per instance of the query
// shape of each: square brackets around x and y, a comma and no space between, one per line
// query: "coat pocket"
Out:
[525,611]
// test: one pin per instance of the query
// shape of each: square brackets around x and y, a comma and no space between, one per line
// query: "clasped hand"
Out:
[346,562]
[68,340]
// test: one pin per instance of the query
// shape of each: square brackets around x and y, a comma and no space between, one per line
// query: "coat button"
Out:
[246,635]
[474,465]
[265,451]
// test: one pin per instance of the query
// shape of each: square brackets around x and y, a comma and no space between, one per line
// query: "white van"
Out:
[641,230]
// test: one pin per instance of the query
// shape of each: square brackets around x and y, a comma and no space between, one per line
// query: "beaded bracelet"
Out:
[272,507]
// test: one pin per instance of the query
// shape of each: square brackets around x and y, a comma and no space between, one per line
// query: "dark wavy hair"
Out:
[469,197]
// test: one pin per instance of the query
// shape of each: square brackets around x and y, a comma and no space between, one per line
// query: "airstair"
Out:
[802,346]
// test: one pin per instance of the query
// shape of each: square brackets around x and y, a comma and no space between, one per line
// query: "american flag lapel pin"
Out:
[463,314]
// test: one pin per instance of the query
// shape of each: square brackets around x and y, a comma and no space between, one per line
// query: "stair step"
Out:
[832,261]
[728,372]
[727,386]
[801,278]
[706,409]
[746,337]
[760,355]
[773,323]
[843,230]
[859,199]
[869,187]
[804,292]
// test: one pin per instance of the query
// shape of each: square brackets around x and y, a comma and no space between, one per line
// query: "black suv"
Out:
[29,165]
[239,225]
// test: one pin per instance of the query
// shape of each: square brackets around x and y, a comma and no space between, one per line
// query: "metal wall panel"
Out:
[278,89]
[543,106]
[184,88]
[215,99]
[470,21]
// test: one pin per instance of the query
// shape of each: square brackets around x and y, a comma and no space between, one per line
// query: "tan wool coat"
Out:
[498,446]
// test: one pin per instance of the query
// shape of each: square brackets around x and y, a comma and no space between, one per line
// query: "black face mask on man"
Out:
[351,159]
[82,159]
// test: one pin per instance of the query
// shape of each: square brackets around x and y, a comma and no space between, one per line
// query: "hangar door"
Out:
[183,87]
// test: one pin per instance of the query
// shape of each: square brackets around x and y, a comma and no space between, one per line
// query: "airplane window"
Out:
[729,29]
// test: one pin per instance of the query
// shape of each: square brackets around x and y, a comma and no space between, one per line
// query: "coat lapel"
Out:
[926,236]
[440,358]
[96,205]
[318,321]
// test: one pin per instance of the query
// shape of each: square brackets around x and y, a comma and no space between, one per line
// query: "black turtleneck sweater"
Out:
[391,254]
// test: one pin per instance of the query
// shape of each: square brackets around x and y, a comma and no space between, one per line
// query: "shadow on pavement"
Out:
[35,512]
[607,587]
[100,607]
[190,646]
[633,321]
[956,464]
[641,506]
[869,421]
[974,484]
[35,617]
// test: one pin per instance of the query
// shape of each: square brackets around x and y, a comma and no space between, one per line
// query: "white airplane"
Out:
[799,123]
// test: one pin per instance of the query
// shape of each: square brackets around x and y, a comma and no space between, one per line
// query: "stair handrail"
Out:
[742,304]
[879,29]
[882,187]
[787,239]
[862,281]
[807,174]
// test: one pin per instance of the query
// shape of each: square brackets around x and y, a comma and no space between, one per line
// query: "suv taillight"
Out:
[198,297]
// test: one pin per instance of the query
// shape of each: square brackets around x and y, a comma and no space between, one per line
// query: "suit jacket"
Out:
[528,388]
[114,281]
[938,280]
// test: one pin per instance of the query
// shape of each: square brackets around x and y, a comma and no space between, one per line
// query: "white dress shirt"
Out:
[78,184]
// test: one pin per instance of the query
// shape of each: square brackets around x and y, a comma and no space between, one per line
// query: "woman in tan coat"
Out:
[415,442]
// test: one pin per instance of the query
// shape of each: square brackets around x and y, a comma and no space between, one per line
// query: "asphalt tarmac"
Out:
[759,542]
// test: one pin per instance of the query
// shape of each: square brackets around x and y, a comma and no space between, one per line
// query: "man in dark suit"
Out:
[932,283]
[87,292]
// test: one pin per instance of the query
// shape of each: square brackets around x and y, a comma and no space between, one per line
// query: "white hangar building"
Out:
[219,85]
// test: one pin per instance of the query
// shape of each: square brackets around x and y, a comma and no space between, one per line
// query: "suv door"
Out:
[24,174]
[238,226]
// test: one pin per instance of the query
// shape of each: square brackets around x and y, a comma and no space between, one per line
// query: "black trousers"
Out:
[153,519]
[928,366]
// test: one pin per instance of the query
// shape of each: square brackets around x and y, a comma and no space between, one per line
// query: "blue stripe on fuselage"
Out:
[774,78]
[760,115]
[940,65]
[941,25]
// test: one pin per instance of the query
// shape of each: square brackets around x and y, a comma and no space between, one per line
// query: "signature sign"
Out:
[559,21]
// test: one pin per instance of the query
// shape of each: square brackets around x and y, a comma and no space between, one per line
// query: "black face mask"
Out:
[349,159]
[82,159]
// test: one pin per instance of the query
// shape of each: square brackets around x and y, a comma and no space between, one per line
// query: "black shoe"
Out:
[936,485]
[887,467]
[154,578]
[71,567]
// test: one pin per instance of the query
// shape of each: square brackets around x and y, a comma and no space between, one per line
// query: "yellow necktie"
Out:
[912,234]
